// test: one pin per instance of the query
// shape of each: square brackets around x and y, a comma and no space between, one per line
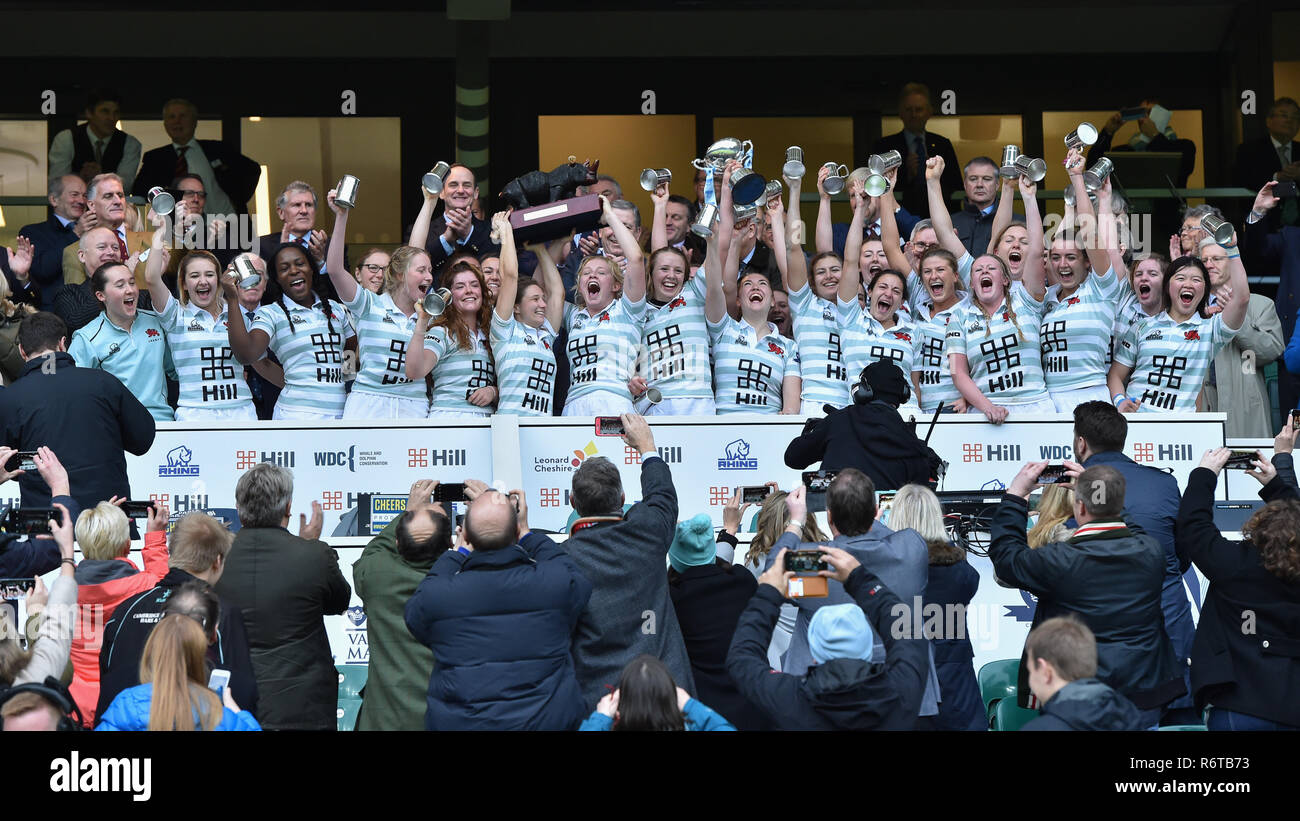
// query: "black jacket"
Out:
[1245,663]
[842,694]
[479,242]
[133,620]
[24,558]
[86,416]
[911,189]
[48,238]
[872,438]
[975,230]
[1087,704]
[285,586]
[709,600]
[950,586]
[235,174]
[1112,581]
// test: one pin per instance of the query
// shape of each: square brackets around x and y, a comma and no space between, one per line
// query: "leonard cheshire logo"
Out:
[559,464]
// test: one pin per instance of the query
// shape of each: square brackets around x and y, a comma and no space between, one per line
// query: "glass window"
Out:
[24,163]
[1186,123]
[151,135]
[823,140]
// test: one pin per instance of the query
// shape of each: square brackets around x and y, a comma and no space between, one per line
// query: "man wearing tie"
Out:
[71,219]
[296,208]
[229,178]
[916,145]
[97,147]
[106,198]
[1275,156]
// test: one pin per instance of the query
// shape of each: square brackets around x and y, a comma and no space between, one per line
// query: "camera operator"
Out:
[869,434]
[20,557]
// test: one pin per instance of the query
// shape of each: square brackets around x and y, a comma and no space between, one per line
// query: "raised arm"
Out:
[850,273]
[344,284]
[889,236]
[1234,313]
[1003,215]
[551,280]
[419,361]
[825,239]
[795,272]
[939,216]
[1033,275]
[157,263]
[1108,235]
[1097,256]
[659,227]
[420,230]
[728,246]
[715,298]
[634,274]
[505,233]
[776,218]
[248,346]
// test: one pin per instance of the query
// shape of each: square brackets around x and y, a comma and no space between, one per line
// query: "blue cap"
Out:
[693,543]
[840,631]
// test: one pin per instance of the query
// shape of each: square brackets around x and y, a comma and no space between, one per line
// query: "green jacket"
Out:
[400,667]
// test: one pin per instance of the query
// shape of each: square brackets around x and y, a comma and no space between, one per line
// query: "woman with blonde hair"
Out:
[951,586]
[1055,508]
[174,695]
[106,578]
[773,517]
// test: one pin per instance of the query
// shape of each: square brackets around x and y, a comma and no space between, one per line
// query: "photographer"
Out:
[869,434]
[22,557]
[48,654]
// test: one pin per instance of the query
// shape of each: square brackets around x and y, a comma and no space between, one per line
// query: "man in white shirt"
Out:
[229,178]
[97,146]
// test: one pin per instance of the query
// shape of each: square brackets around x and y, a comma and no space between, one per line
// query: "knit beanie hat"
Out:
[693,543]
[840,631]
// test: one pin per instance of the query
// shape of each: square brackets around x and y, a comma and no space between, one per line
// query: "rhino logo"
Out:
[357,615]
[738,449]
[737,457]
[179,456]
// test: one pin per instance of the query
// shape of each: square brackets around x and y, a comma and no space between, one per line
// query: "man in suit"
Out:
[285,585]
[1279,250]
[974,222]
[457,229]
[97,147]
[916,145]
[899,559]
[1275,156]
[1165,213]
[229,178]
[623,555]
[296,207]
[106,197]
[70,220]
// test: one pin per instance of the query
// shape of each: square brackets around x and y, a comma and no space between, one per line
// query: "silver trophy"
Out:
[1085,134]
[162,203]
[727,148]
[834,182]
[433,181]
[881,164]
[652,178]
[1095,176]
[746,186]
[744,212]
[773,190]
[793,167]
[245,273]
[875,185]
[705,220]
[1032,167]
[346,192]
[1220,230]
[1009,156]
[435,302]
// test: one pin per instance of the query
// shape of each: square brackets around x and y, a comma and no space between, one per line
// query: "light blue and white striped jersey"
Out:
[867,341]
[1128,314]
[749,370]
[918,294]
[1005,367]
[602,348]
[310,352]
[210,376]
[458,372]
[525,363]
[139,359]
[1075,333]
[821,348]
[383,333]
[675,344]
[1170,359]
[930,359]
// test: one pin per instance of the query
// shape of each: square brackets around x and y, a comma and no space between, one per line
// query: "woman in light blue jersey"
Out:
[523,328]
[454,347]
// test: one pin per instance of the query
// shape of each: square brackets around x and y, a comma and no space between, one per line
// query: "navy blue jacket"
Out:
[24,558]
[1087,704]
[500,623]
[954,659]
[49,239]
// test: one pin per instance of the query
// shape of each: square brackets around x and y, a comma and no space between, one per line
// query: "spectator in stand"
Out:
[11,319]
[899,558]
[622,555]
[457,229]
[647,699]
[105,579]
[843,689]
[709,593]
[87,415]
[974,222]
[228,177]
[36,707]
[199,226]
[1149,137]
[106,197]
[1281,248]
[499,615]
[296,207]
[1062,657]
[951,585]
[386,576]
[97,147]
[285,585]
[1247,677]
[48,654]
[1274,157]
[779,313]
[22,557]
[175,695]
[1109,575]
[199,545]
[916,145]
[70,220]
[76,304]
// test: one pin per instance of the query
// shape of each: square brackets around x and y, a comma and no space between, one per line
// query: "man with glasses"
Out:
[228,177]
[1275,156]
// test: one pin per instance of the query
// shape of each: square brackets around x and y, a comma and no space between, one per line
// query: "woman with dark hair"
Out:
[1143,298]
[524,320]
[1168,356]
[951,586]
[455,348]
[1245,666]
[647,698]
[306,332]
[174,695]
